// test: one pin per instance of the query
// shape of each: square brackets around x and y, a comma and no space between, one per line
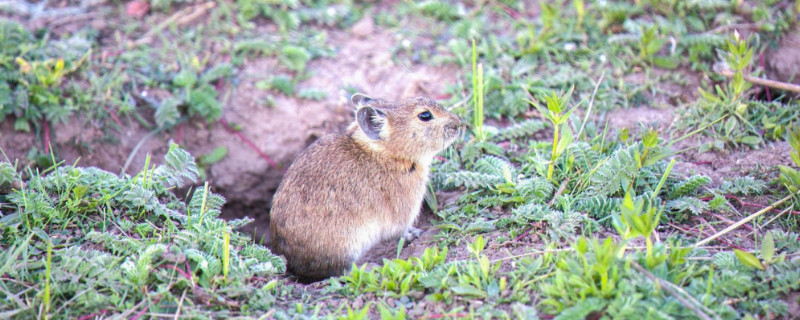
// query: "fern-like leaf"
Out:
[521,129]
[472,180]
[7,173]
[743,186]
[179,165]
[687,204]
[618,169]
[494,166]
[689,186]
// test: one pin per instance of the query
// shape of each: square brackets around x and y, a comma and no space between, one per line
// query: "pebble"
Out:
[363,27]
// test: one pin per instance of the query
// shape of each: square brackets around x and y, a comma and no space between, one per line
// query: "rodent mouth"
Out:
[451,133]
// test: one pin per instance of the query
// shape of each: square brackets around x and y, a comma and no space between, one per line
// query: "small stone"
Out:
[137,8]
[363,27]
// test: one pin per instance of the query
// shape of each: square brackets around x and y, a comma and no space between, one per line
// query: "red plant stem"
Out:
[720,240]
[699,163]
[696,230]
[443,96]
[189,270]
[756,205]
[113,116]
[249,143]
[183,273]
[527,232]
[761,59]
[750,204]
[140,313]
[511,12]
[709,224]
[93,315]
[727,243]
[47,146]
[749,228]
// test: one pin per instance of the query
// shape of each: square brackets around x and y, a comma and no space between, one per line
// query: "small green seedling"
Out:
[767,254]
[638,219]
[557,114]
[650,43]
[477,96]
[790,177]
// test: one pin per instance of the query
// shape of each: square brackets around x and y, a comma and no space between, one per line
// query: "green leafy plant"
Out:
[532,41]
[637,219]
[740,116]
[31,85]
[193,94]
[108,239]
[650,43]
[768,256]
[597,275]
[790,177]
[557,114]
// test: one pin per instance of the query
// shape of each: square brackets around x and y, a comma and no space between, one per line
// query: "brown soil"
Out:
[630,118]
[674,88]
[718,165]
[363,61]
[781,63]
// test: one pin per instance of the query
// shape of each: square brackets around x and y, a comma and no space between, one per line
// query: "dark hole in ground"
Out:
[258,210]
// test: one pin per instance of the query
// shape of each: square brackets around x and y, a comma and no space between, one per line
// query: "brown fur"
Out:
[348,191]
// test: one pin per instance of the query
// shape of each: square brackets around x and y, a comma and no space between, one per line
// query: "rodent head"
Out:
[414,129]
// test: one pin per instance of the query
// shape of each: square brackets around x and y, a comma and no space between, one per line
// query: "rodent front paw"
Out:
[412,233]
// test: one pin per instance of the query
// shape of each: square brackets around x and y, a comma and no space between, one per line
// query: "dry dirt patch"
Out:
[718,165]
[280,131]
[781,63]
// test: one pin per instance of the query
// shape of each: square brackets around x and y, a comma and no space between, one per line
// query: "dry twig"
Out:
[764,82]
[684,298]
[745,220]
[181,17]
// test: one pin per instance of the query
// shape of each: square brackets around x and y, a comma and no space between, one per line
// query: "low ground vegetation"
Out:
[545,208]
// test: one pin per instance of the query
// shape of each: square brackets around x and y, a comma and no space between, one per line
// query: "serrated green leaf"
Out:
[21,124]
[7,173]
[295,58]
[167,112]
[650,138]
[216,72]
[185,78]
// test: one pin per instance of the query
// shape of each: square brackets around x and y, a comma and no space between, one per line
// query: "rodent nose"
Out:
[459,123]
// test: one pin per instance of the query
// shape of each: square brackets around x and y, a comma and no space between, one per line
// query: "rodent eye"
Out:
[425,116]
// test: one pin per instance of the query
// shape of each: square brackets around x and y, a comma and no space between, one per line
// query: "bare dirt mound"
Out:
[280,131]
[781,62]
[718,165]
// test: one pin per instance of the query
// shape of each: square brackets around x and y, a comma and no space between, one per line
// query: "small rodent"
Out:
[349,190]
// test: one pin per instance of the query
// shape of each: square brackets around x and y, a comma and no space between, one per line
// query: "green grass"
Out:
[540,223]
[125,243]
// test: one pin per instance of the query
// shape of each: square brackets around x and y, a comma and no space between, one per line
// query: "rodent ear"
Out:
[371,122]
[360,99]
